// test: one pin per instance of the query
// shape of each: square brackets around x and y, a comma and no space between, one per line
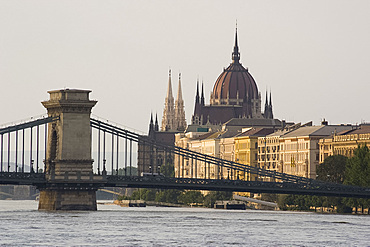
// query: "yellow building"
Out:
[239,146]
[344,143]
[246,149]
[299,149]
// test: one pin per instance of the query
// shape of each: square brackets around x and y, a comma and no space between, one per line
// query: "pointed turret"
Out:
[179,90]
[168,112]
[270,103]
[151,125]
[270,107]
[197,108]
[266,112]
[197,95]
[202,96]
[169,88]
[180,122]
[156,126]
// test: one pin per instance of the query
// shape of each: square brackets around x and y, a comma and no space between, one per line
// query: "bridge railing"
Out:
[22,146]
[157,154]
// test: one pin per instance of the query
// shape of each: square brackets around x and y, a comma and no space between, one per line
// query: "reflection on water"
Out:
[22,225]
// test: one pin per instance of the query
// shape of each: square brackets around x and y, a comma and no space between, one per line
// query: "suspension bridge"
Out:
[68,156]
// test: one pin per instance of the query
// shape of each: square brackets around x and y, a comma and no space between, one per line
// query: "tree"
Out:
[358,173]
[358,168]
[332,169]
[191,196]
[144,194]
[169,196]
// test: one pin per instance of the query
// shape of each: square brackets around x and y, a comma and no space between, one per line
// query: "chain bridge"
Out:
[68,156]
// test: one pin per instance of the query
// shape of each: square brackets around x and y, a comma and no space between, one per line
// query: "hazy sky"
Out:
[313,55]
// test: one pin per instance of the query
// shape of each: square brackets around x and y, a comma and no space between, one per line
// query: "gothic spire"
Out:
[151,125]
[180,122]
[169,88]
[179,91]
[169,108]
[236,54]
[270,103]
[202,96]
[270,107]
[156,126]
[197,95]
[266,101]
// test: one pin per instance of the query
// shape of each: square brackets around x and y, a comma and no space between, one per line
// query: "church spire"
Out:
[180,122]
[169,88]
[266,101]
[236,54]
[168,112]
[156,126]
[270,107]
[197,95]
[151,125]
[202,96]
[179,91]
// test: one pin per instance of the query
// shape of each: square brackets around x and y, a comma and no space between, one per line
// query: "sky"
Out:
[314,56]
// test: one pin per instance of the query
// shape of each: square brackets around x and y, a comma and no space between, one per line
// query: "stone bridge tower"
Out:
[68,161]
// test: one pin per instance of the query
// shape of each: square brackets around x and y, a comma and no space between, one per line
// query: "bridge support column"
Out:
[67,200]
[68,164]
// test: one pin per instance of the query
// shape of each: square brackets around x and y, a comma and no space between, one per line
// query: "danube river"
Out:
[22,225]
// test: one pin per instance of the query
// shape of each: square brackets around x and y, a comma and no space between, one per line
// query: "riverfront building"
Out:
[299,149]
[345,142]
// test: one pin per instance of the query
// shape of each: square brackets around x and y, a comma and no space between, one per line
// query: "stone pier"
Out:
[68,161]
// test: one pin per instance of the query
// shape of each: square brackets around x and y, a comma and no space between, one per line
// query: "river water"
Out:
[22,225]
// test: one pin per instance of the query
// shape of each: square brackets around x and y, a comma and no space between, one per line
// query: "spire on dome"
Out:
[236,54]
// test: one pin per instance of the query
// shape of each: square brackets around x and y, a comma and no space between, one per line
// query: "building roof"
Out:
[256,132]
[320,131]
[253,122]
[363,129]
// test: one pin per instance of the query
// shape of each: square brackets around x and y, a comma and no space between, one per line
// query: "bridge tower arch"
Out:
[68,162]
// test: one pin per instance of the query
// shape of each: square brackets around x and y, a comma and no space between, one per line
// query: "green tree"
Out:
[358,173]
[170,196]
[144,194]
[332,169]
[358,168]
[191,196]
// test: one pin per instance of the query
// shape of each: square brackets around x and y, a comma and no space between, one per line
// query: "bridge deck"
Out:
[319,189]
